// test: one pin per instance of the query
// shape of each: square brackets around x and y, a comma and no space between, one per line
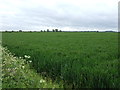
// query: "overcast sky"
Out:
[62,14]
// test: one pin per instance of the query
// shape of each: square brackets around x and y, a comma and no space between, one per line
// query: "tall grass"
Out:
[80,59]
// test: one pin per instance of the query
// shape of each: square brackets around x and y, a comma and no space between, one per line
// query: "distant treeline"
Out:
[53,30]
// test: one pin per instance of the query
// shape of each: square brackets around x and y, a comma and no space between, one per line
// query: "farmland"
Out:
[79,59]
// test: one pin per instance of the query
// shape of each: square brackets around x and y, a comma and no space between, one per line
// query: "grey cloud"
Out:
[63,15]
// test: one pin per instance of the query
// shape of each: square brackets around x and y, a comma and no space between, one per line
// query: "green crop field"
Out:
[79,59]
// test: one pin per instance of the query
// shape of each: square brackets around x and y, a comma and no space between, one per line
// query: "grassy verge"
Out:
[16,73]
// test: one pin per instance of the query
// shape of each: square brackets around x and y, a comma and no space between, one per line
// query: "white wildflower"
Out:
[27,56]
[8,69]
[15,57]
[15,68]
[23,67]
[30,61]
[42,81]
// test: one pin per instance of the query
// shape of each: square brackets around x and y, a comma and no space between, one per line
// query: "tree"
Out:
[60,31]
[53,30]
[41,31]
[20,30]
[47,30]
[56,30]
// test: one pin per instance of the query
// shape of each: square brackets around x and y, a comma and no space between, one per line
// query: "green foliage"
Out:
[80,59]
[16,73]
